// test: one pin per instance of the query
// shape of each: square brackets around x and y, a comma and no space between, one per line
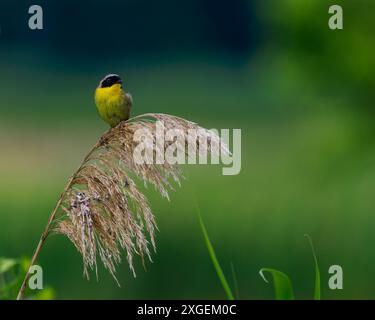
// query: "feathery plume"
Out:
[102,211]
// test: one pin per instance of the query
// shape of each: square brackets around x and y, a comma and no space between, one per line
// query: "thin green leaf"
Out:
[317,290]
[281,282]
[214,260]
[235,282]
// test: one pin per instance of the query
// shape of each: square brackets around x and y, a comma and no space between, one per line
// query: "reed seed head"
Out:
[103,212]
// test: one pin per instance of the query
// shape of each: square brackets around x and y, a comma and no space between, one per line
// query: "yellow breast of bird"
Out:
[112,104]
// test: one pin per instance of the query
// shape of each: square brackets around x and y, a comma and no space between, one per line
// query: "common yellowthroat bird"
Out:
[112,102]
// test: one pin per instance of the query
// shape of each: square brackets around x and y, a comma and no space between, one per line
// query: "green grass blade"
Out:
[235,282]
[317,290]
[281,283]
[215,262]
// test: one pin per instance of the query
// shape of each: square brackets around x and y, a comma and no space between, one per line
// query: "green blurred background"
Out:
[302,94]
